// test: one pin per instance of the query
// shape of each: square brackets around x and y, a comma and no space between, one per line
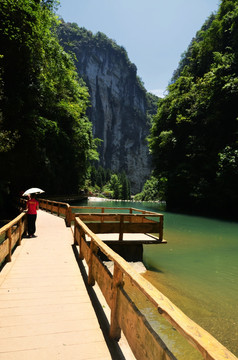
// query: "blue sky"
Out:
[154,32]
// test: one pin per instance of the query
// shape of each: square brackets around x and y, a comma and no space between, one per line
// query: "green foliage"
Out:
[152,105]
[227,176]
[7,140]
[193,137]
[153,190]
[45,136]
[115,186]
[125,188]
[109,184]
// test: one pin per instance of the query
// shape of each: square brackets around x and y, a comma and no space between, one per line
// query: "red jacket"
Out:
[32,206]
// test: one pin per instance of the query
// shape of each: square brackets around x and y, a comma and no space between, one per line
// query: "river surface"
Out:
[197,270]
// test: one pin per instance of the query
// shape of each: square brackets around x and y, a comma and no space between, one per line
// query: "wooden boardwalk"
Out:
[45,308]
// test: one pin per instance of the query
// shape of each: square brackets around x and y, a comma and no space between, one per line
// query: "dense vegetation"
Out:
[193,138]
[153,190]
[45,137]
[106,183]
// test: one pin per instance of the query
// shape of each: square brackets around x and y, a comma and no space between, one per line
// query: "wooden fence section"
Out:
[135,221]
[56,207]
[125,316]
[123,223]
[12,235]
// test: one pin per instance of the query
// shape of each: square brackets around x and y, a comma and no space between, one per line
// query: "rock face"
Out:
[118,109]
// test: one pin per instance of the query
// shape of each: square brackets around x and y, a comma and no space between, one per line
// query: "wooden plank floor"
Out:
[45,310]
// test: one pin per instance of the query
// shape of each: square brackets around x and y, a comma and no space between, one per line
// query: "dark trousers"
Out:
[31,220]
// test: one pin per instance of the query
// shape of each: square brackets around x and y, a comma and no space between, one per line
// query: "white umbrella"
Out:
[33,191]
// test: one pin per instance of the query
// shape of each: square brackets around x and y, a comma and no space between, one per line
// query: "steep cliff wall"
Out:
[118,102]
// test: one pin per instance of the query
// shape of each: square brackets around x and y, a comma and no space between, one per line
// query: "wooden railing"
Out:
[134,221]
[56,207]
[125,316]
[11,235]
[123,223]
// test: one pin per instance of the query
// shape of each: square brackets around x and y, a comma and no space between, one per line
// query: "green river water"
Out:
[197,270]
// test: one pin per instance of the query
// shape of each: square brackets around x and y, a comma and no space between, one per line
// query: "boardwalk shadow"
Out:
[113,346]
[154,269]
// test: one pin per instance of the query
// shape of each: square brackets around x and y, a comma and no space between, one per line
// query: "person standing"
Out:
[32,206]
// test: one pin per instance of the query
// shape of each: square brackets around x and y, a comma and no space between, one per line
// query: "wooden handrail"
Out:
[53,202]
[123,223]
[65,209]
[121,214]
[57,207]
[13,232]
[117,208]
[13,222]
[113,289]
[208,346]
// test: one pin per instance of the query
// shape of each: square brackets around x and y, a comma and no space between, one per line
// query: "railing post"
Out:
[9,236]
[161,227]
[115,330]
[76,242]
[131,211]
[93,250]
[68,216]
[121,228]
[80,244]
[25,224]
[20,232]
[75,234]
[143,212]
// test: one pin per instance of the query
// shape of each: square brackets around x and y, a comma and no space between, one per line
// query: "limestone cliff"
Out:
[119,104]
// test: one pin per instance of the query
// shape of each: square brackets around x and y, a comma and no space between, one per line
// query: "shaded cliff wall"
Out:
[118,102]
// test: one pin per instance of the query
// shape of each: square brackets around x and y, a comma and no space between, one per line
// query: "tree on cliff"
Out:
[46,139]
[194,134]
